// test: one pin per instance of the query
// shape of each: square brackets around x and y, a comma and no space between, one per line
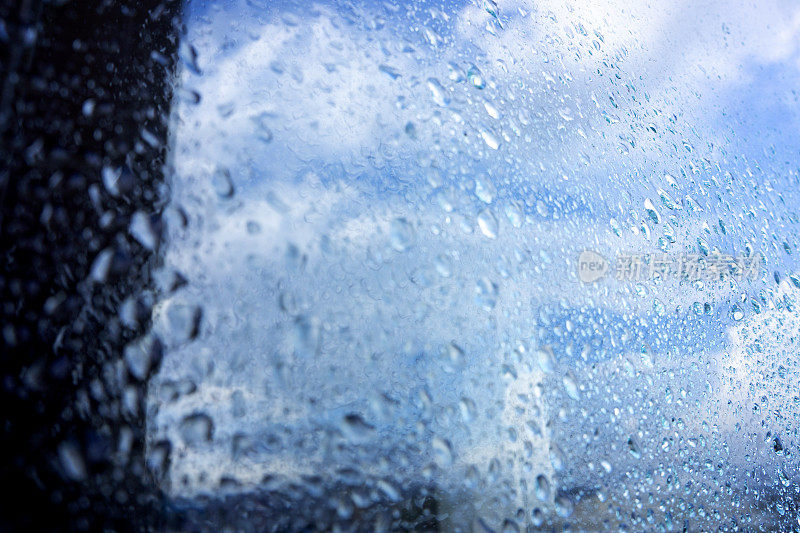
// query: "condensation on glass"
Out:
[533,261]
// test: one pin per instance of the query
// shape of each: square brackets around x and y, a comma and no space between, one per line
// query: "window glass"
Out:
[512,265]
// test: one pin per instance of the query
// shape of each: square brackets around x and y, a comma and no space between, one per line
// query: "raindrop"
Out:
[196,428]
[443,266]
[438,93]
[488,224]
[556,457]
[486,293]
[389,490]
[571,387]
[537,517]
[651,211]
[188,54]
[667,200]
[509,526]
[253,227]
[514,214]
[691,205]
[542,488]
[484,190]
[142,356]
[72,461]
[222,183]
[563,506]
[633,448]
[490,139]
[475,77]
[179,322]
[305,336]
[467,407]
[355,428]
[455,354]
[615,227]
[544,358]
[442,451]
[390,71]
[401,234]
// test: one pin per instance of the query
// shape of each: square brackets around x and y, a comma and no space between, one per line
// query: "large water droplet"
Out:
[544,358]
[196,428]
[222,182]
[514,214]
[486,293]
[542,488]
[401,234]
[475,77]
[571,387]
[490,139]
[355,428]
[485,190]
[563,506]
[651,211]
[438,93]
[488,224]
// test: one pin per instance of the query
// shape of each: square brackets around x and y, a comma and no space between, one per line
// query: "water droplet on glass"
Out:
[222,182]
[475,77]
[443,266]
[179,322]
[490,139]
[401,234]
[305,336]
[72,462]
[442,451]
[486,293]
[571,387]
[537,517]
[485,190]
[633,448]
[667,200]
[196,429]
[544,358]
[615,227]
[488,224]
[144,229]
[542,488]
[356,428]
[509,526]
[563,506]
[142,356]
[438,93]
[651,211]
[188,55]
[514,214]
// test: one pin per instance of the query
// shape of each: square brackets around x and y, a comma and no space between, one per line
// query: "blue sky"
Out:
[341,127]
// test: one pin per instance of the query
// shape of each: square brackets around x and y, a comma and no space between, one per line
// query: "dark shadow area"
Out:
[86,86]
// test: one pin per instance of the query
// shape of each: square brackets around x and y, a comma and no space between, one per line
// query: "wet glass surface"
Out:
[387,207]
[432,266]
